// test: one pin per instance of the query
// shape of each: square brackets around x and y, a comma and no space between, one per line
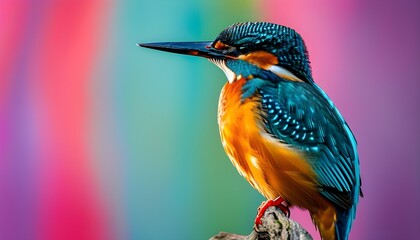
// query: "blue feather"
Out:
[327,137]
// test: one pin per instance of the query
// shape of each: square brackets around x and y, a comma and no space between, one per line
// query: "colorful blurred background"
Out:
[100,139]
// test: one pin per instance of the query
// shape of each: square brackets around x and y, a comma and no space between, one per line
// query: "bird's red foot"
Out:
[278,202]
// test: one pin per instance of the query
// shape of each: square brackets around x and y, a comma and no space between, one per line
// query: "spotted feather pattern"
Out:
[299,115]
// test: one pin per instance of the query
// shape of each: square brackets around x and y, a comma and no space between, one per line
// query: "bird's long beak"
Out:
[202,49]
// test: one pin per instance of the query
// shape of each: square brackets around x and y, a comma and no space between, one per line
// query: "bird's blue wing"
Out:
[302,116]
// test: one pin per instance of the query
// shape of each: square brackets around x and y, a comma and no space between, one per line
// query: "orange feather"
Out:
[271,167]
[261,59]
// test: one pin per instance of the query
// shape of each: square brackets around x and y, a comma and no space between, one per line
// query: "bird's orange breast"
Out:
[270,166]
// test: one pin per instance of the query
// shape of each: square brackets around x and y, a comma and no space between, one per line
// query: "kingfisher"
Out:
[281,131]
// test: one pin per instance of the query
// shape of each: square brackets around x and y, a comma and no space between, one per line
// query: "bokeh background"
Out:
[100,139]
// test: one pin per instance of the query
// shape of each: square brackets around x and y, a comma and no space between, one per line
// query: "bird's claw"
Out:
[278,202]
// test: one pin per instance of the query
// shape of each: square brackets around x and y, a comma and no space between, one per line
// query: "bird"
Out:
[280,130]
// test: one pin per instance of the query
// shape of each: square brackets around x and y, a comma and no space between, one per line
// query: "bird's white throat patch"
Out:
[231,76]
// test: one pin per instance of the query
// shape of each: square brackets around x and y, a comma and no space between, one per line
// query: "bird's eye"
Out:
[242,50]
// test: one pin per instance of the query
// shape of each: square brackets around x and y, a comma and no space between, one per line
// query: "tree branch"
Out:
[275,226]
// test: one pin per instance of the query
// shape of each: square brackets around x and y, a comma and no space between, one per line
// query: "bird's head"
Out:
[251,49]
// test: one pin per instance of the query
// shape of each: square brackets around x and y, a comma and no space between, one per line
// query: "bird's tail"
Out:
[344,221]
[334,223]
